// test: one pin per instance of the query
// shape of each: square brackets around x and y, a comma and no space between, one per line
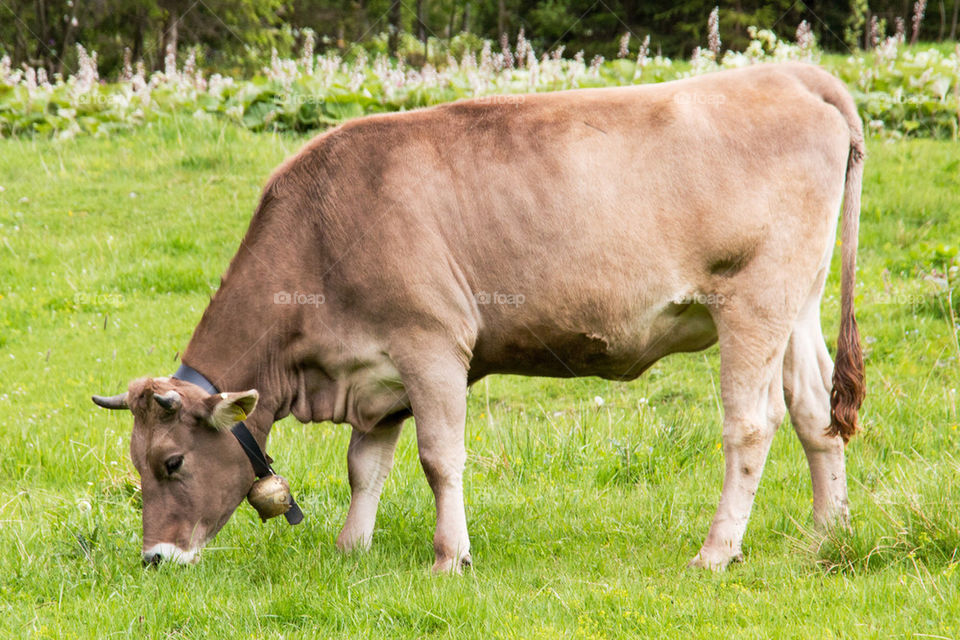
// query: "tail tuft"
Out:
[848,381]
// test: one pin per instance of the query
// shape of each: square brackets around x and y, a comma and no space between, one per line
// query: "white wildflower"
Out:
[523,47]
[127,74]
[87,74]
[306,55]
[595,65]
[919,9]
[624,49]
[713,32]
[30,79]
[805,38]
[505,48]
[642,58]
[170,62]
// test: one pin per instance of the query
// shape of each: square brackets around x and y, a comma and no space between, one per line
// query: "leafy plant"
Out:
[900,91]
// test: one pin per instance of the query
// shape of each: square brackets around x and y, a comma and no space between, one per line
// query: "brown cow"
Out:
[399,258]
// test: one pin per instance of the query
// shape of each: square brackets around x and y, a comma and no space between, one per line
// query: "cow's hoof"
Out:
[714,560]
[449,565]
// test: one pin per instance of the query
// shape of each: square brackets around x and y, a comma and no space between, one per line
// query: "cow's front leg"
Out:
[438,395]
[369,460]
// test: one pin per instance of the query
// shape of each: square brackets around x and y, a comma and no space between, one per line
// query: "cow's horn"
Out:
[170,400]
[112,402]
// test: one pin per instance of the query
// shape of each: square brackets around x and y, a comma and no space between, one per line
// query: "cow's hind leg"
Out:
[369,460]
[807,379]
[751,357]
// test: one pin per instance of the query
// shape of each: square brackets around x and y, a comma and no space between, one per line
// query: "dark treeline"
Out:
[231,34]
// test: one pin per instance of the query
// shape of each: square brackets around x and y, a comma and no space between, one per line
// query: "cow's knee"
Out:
[754,429]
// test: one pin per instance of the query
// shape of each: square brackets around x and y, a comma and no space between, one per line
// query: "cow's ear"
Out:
[227,409]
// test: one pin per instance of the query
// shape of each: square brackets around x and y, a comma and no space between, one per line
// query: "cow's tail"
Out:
[848,373]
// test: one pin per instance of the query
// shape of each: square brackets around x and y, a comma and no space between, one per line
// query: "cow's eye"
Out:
[173,463]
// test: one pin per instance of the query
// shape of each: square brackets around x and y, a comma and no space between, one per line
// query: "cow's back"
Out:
[598,224]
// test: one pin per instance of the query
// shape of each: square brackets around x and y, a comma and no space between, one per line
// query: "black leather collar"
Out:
[258,459]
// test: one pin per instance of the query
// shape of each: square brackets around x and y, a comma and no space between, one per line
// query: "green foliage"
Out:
[900,91]
[853,31]
[913,91]
[552,20]
[232,36]
[44,33]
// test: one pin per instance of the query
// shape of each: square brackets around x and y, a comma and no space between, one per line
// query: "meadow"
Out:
[585,498]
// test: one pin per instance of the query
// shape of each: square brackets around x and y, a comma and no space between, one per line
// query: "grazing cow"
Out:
[397,259]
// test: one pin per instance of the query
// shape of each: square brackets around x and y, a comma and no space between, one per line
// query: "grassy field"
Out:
[582,516]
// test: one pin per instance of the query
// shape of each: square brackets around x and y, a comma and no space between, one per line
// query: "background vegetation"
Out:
[900,90]
[229,35]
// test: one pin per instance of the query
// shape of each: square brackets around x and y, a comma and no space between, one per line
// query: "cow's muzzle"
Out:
[166,552]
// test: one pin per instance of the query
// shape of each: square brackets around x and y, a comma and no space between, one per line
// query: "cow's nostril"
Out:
[151,559]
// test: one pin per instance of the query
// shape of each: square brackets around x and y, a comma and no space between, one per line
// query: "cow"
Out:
[397,259]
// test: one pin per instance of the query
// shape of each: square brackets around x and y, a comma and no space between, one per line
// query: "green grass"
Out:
[582,518]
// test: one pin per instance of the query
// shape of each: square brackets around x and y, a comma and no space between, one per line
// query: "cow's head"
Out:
[193,472]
